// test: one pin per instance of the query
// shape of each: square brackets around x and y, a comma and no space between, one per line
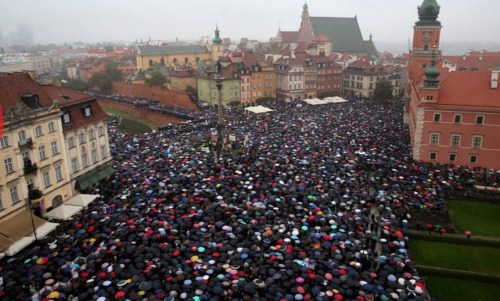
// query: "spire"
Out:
[432,73]
[428,12]
[305,7]
[217,39]
[371,36]
[306,34]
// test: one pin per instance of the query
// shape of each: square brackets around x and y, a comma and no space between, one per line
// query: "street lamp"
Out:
[220,124]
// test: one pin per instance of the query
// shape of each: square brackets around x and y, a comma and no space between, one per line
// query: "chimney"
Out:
[494,78]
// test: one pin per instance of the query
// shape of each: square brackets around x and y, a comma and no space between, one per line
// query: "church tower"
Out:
[306,34]
[427,30]
[217,47]
[426,38]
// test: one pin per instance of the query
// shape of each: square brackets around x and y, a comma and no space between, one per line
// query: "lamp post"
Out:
[30,207]
[220,123]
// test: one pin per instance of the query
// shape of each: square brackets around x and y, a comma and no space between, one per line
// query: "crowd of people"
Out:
[152,105]
[313,205]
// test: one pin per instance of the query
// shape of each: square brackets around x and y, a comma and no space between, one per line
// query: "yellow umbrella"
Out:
[54,294]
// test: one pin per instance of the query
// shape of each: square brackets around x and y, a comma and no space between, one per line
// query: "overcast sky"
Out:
[390,21]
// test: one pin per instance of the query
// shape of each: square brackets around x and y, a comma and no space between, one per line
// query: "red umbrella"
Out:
[468,232]
[443,230]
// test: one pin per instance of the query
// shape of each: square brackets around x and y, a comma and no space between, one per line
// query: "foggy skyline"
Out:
[389,21]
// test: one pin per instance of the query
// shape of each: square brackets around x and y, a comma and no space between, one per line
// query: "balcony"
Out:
[27,143]
[29,167]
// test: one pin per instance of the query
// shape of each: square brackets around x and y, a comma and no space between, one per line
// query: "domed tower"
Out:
[429,89]
[428,12]
[427,30]
[217,47]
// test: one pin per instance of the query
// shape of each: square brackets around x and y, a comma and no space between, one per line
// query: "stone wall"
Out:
[140,113]
[166,97]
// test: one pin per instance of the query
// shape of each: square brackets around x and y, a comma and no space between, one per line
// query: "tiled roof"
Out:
[343,32]
[480,60]
[322,38]
[12,85]
[166,50]
[74,104]
[466,88]
[289,36]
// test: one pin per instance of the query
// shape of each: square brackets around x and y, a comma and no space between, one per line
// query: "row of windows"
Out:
[82,138]
[67,118]
[321,87]
[5,140]
[457,118]
[75,167]
[42,153]
[452,157]
[47,182]
[455,140]
[23,136]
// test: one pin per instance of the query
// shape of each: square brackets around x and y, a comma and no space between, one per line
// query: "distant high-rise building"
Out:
[25,34]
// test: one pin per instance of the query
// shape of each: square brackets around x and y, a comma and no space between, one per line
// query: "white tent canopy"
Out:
[335,99]
[45,229]
[259,109]
[63,212]
[19,245]
[316,101]
[82,200]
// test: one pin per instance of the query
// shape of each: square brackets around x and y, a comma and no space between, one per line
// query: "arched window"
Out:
[57,201]
[150,63]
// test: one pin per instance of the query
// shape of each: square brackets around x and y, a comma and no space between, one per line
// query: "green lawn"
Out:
[130,124]
[126,115]
[134,127]
[449,289]
[480,218]
[459,257]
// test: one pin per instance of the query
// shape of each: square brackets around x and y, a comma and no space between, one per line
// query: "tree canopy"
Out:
[102,81]
[383,90]
[156,79]
[75,84]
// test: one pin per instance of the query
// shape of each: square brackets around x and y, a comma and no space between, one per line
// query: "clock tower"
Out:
[427,30]
[426,39]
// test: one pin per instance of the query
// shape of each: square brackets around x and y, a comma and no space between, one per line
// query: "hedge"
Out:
[455,239]
[458,274]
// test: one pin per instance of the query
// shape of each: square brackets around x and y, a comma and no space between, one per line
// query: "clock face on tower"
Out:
[427,37]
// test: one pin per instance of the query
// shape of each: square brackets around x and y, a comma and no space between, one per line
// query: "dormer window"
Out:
[87,112]
[31,100]
[66,118]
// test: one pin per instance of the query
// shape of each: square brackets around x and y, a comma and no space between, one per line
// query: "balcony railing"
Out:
[27,143]
[29,167]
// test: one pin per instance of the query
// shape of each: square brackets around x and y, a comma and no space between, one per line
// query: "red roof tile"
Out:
[73,101]
[466,88]
[12,85]
[289,36]
[480,61]
[322,38]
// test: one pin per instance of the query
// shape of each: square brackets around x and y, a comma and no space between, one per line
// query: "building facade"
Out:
[453,115]
[231,87]
[86,141]
[34,174]
[361,77]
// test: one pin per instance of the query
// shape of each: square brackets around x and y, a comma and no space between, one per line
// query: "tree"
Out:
[156,79]
[75,84]
[102,81]
[383,90]
[112,72]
